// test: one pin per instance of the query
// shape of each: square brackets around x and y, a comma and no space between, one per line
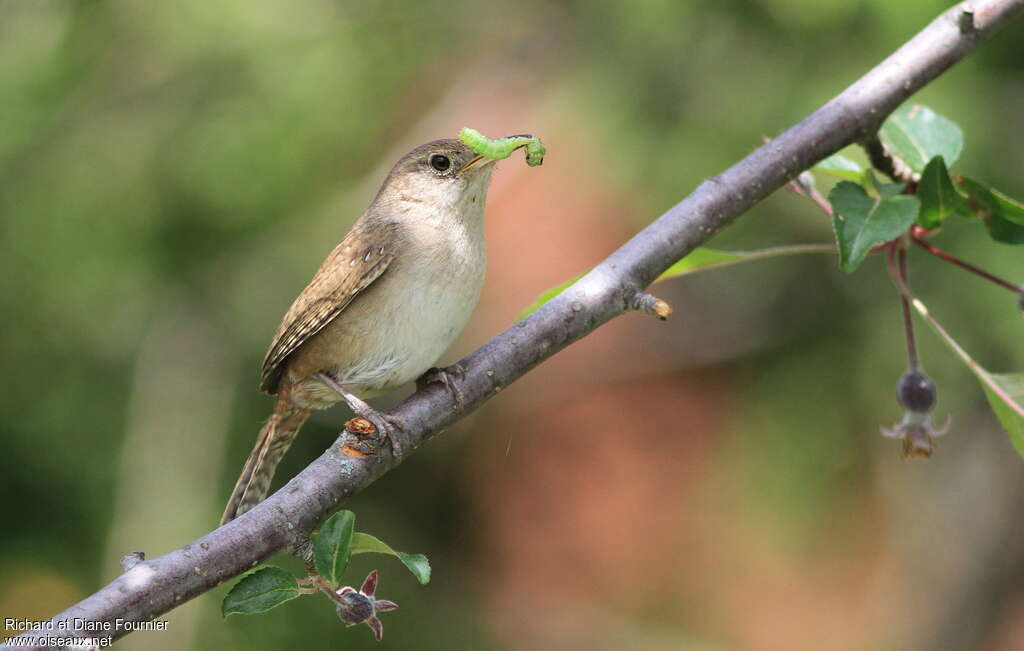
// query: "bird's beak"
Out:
[476,161]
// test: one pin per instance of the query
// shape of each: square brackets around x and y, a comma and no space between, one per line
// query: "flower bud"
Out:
[357,608]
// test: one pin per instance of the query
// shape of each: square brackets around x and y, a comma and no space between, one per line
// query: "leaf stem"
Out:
[748,256]
[949,257]
[773,251]
[908,323]
[896,261]
[316,583]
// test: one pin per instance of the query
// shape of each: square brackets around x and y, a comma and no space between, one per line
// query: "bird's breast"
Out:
[400,325]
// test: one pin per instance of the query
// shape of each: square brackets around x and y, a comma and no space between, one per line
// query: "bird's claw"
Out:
[447,377]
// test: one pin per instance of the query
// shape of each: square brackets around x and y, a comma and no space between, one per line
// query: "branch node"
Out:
[965,21]
[357,450]
[362,441]
[649,304]
[805,180]
[360,426]
[131,559]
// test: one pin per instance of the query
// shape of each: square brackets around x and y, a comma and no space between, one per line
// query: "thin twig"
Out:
[949,257]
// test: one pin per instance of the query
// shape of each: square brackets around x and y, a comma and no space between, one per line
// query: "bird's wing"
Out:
[352,266]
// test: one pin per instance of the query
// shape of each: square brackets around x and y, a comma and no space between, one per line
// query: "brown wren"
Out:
[382,308]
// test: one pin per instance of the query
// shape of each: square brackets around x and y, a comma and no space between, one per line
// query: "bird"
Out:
[382,308]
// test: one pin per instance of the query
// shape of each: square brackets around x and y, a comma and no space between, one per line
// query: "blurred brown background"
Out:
[171,174]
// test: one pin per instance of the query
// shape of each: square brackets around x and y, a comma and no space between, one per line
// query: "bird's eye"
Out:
[440,162]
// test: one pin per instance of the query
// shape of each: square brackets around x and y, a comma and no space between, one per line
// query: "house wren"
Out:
[382,308]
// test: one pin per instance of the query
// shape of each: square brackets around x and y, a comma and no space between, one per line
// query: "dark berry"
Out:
[916,392]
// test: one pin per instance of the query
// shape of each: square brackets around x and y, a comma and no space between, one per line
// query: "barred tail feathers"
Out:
[271,444]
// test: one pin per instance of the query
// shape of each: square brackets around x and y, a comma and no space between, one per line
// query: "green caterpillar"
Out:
[500,148]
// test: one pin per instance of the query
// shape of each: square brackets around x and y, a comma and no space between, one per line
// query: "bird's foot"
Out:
[447,377]
[384,424]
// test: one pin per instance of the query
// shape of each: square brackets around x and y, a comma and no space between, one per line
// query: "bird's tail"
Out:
[271,444]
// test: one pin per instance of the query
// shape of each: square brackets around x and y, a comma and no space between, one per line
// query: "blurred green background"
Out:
[171,174]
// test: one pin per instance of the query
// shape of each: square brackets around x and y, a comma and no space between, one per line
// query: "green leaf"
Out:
[1003,230]
[332,546]
[979,199]
[886,190]
[842,167]
[876,188]
[1003,217]
[1011,209]
[545,297]
[260,591]
[939,199]
[916,134]
[1013,386]
[363,543]
[861,222]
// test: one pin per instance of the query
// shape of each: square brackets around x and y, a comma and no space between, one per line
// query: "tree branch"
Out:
[284,520]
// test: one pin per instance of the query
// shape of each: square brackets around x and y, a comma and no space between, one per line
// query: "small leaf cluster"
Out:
[922,145]
[333,546]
